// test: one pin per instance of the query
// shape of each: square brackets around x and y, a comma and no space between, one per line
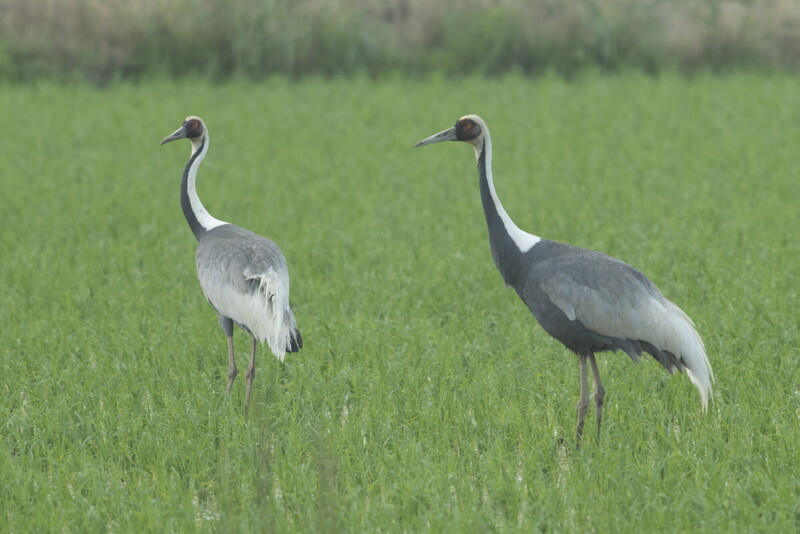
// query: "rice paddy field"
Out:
[426,398]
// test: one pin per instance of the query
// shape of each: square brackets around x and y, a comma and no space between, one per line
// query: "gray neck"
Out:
[200,221]
[507,241]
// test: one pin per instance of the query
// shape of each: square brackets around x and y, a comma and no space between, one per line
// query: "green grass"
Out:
[426,397]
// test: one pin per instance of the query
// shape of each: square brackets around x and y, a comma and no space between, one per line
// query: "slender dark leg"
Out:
[227,326]
[583,404]
[232,371]
[250,375]
[599,392]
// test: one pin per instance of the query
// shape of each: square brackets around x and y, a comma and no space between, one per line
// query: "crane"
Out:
[243,275]
[588,301]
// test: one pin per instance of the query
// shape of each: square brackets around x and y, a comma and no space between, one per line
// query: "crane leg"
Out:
[227,326]
[583,404]
[599,392]
[250,375]
[232,371]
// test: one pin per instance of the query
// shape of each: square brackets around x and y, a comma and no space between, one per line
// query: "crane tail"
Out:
[295,341]
[703,388]
[277,326]
[692,353]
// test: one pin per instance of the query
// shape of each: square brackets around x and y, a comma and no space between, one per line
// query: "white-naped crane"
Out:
[243,275]
[588,301]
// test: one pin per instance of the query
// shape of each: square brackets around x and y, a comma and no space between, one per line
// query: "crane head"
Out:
[193,128]
[468,128]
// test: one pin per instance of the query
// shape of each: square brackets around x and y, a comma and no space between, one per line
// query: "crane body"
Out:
[244,276]
[588,301]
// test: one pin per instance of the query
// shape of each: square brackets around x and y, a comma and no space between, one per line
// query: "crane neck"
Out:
[508,242]
[200,221]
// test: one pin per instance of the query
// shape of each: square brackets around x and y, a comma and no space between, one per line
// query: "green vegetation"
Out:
[426,398]
[107,40]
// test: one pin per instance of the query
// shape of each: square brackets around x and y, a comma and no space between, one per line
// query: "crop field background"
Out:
[426,397]
[103,41]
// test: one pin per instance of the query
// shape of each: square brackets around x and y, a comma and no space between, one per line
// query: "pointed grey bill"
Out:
[180,133]
[447,135]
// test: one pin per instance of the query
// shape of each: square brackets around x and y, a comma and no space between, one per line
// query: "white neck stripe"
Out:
[521,238]
[206,220]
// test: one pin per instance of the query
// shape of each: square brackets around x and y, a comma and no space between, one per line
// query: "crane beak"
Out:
[447,135]
[180,133]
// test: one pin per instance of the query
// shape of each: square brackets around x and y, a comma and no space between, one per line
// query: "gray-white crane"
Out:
[588,301]
[243,275]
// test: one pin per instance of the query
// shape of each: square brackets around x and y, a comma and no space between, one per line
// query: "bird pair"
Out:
[587,300]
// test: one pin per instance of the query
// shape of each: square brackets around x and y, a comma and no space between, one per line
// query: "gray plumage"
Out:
[243,275]
[587,300]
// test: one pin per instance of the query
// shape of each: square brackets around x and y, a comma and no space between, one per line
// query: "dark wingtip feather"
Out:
[295,342]
[670,362]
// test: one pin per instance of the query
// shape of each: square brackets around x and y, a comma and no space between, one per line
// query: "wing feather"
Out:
[245,277]
[611,298]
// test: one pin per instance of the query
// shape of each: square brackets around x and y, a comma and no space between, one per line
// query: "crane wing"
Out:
[611,298]
[245,277]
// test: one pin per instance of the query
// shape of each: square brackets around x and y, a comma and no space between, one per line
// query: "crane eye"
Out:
[193,125]
[466,125]
[467,129]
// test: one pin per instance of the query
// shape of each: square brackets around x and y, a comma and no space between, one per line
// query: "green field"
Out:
[426,397]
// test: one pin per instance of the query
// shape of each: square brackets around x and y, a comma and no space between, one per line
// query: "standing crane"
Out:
[588,301]
[243,275]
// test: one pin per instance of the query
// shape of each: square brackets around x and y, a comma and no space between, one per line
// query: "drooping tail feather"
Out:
[295,341]
[277,325]
[691,352]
